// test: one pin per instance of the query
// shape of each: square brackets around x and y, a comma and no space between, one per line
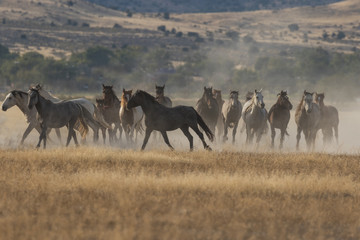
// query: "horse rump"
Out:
[203,125]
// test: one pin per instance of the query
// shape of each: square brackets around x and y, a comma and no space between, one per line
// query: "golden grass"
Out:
[104,193]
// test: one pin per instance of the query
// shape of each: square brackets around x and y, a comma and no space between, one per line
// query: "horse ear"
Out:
[256,91]
[123,90]
[163,86]
[312,93]
[304,91]
[204,88]
[103,85]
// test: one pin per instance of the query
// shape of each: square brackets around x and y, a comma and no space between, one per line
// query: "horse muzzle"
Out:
[262,105]
[309,110]
[4,108]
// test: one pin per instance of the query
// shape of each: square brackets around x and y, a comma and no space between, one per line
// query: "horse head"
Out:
[319,97]
[283,100]
[11,99]
[258,99]
[208,96]
[33,97]
[234,98]
[308,101]
[217,94]
[135,99]
[159,90]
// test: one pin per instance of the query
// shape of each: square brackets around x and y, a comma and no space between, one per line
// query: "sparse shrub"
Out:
[340,35]
[179,34]
[253,49]
[23,36]
[185,49]
[248,39]
[4,21]
[233,35]
[128,13]
[199,40]
[173,31]
[167,33]
[293,27]
[325,35]
[166,15]
[116,25]
[70,3]
[85,25]
[52,24]
[72,22]
[161,28]
[193,34]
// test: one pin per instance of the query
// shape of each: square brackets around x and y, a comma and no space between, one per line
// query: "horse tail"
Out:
[100,119]
[82,126]
[203,125]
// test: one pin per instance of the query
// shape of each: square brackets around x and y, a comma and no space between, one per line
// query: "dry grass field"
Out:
[104,193]
[101,192]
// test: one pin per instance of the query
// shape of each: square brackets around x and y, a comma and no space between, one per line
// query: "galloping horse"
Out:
[208,108]
[329,119]
[98,117]
[255,117]
[163,119]
[220,101]
[279,116]
[110,110]
[161,98]
[307,118]
[231,114]
[57,115]
[20,99]
[130,117]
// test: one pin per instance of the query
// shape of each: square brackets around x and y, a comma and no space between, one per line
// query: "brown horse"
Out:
[220,101]
[130,117]
[307,118]
[329,119]
[110,111]
[161,98]
[231,114]
[208,108]
[279,116]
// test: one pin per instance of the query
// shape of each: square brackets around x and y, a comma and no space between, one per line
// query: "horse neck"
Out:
[48,96]
[321,104]
[42,103]
[22,105]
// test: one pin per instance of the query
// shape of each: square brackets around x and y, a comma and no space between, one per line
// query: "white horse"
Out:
[131,119]
[83,102]
[255,117]
[20,99]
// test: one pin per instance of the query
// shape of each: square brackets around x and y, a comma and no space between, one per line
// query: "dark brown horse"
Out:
[163,119]
[161,98]
[220,101]
[329,119]
[110,111]
[208,108]
[307,118]
[231,114]
[279,116]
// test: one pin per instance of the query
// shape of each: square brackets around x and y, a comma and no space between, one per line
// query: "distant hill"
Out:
[202,6]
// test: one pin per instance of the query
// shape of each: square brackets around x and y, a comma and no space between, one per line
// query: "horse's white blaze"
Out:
[9,101]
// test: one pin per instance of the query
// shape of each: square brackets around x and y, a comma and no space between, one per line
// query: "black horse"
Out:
[163,119]
[208,108]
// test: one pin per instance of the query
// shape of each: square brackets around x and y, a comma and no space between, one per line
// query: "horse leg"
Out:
[58,134]
[70,132]
[234,131]
[26,133]
[75,138]
[185,130]
[146,139]
[225,131]
[42,136]
[166,139]
[273,133]
[201,136]
[282,137]
[336,134]
[248,133]
[298,136]
[103,131]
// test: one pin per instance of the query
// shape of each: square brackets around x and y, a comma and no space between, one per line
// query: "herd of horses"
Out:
[133,112]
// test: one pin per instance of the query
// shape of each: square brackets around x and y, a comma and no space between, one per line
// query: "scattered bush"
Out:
[293,27]
[161,28]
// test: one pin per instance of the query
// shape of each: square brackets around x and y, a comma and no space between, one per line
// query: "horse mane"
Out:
[148,96]
[298,108]
[18,92]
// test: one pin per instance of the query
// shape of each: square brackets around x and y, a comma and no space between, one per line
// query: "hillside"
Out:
[203,6]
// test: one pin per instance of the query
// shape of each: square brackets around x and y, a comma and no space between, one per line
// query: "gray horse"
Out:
[160,96]
[307,118]
[57,115]
[20,99]
[231,114]
[255,117]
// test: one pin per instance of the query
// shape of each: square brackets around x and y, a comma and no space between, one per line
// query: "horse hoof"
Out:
[208,148]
